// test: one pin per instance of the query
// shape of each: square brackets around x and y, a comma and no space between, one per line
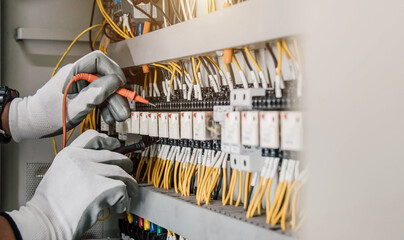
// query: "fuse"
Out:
[153,125]
[174,125]
[186,125]
[232,127]
[204,127]
[269,129]
[144,123]
[250,128]
[291,131]
[163,124]
[135,122]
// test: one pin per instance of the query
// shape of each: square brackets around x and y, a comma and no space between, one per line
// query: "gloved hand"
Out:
[40,115]
[82,181]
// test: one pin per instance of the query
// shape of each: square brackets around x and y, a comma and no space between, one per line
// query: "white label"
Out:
[144,123]
[269,129]
[135,122]
[199,126]
[232,128]
[153,125]
[249,127]
[291,131]
[163,124]
[174,125]
[186,125]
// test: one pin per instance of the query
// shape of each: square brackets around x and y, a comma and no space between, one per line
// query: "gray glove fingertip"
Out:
[118,106]
[107,116]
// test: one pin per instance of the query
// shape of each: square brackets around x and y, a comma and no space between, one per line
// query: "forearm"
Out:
[6,232]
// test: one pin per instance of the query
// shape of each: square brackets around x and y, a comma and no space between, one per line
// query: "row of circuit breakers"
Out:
[246,134]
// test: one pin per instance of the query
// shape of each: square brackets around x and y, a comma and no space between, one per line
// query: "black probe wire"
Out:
[91,24]
[162,12]
[249,197]
[218,186]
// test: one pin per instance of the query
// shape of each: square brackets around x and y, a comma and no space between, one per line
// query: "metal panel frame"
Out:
[183,216]
[247,23]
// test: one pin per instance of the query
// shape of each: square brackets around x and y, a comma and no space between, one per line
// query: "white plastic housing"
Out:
[163,124]
[269,129]
[174,125]
[199,126]
[219,113]
[153,125]
[135,122]
[291,131]
[232,127]
[186,125]
[144,123]
[241,99]
[252,162]
[204,127]
[250,128]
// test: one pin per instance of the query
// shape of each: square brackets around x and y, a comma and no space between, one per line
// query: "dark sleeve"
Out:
[10,221]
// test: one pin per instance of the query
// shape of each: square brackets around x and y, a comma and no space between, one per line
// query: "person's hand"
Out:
[40,115]
[82,181]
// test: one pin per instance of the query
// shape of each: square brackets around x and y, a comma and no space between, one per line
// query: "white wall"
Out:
[354,120]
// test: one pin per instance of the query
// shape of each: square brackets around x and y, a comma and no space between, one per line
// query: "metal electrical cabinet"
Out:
[205,35]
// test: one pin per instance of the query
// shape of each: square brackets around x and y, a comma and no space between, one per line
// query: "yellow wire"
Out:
[287,50]
[278,45]
[236,62]
[110,21]
[162,66]
[60,62]
[99,33]
[253,59]
[224,185]
[226,67]
[247,183]
[251,206]
[71,45]
[240,188]
[175,68]
[171,80]
[155,75]
[214,63]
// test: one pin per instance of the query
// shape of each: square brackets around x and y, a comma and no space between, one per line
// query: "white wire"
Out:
[189,9]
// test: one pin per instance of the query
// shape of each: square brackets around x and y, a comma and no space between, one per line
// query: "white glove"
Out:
[40,115]
[81,182]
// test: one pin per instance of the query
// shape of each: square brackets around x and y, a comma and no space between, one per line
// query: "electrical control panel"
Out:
[224,123]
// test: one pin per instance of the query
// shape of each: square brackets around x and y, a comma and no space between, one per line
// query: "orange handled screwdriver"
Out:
[131,95]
